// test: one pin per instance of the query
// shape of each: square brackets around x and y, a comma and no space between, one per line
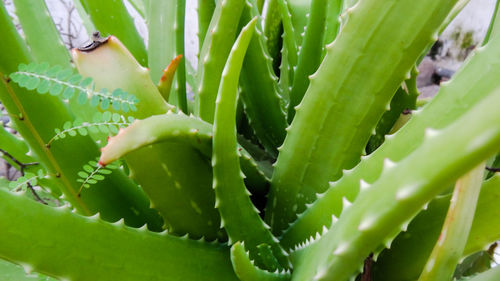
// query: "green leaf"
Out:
[98,177]
[75,79]
[116,105]
[105,104]
[104,129]
[94,101]
[55,89]
[106,116]
[67,125]
[88,168]
[64,74]
[68,93]
[113,129]
[86,82]
[83,174]
[116,117]
[43,87]
[105,171]
[32,83]
[52,72]
[82,98]
[82,131]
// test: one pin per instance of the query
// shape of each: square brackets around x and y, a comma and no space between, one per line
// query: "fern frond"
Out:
[107,123]
[63,82]
[26,180]
[93,172]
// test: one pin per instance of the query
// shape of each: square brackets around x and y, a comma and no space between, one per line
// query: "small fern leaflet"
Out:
[93,172]
[26,180]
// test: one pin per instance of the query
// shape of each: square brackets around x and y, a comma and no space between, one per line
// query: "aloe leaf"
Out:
[87,23]
[120,24]
[139,7]
[186,202]
[401,105]
[246,270]
[165,84]
[309,55]
[451,243]
[45,46]
[238,215]
[13,272]
[161,128]
[494,24]
[467,87]
[36,127]
[181,100]
[272,29]
[206,10]
[289,52]
[19,53]
[260,92]
[490,275]
[112,66]
[161,39]
[178,128]
[332,22]
[163,170]
[15,146]
[334,121]
[475,263]
[214,53]
[299,10]
[413,247]
[383,209]
[96,247]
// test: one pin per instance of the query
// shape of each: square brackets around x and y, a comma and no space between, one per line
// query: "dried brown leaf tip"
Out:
[97,41]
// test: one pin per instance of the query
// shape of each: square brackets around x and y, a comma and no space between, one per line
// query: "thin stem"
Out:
[22,166]
[492,169]
[85,125]
[37,197]
[87,179]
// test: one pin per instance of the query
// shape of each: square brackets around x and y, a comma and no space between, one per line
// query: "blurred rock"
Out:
[428,91]
[426,70]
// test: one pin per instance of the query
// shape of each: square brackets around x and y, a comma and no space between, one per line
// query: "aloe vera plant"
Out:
[296,159]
